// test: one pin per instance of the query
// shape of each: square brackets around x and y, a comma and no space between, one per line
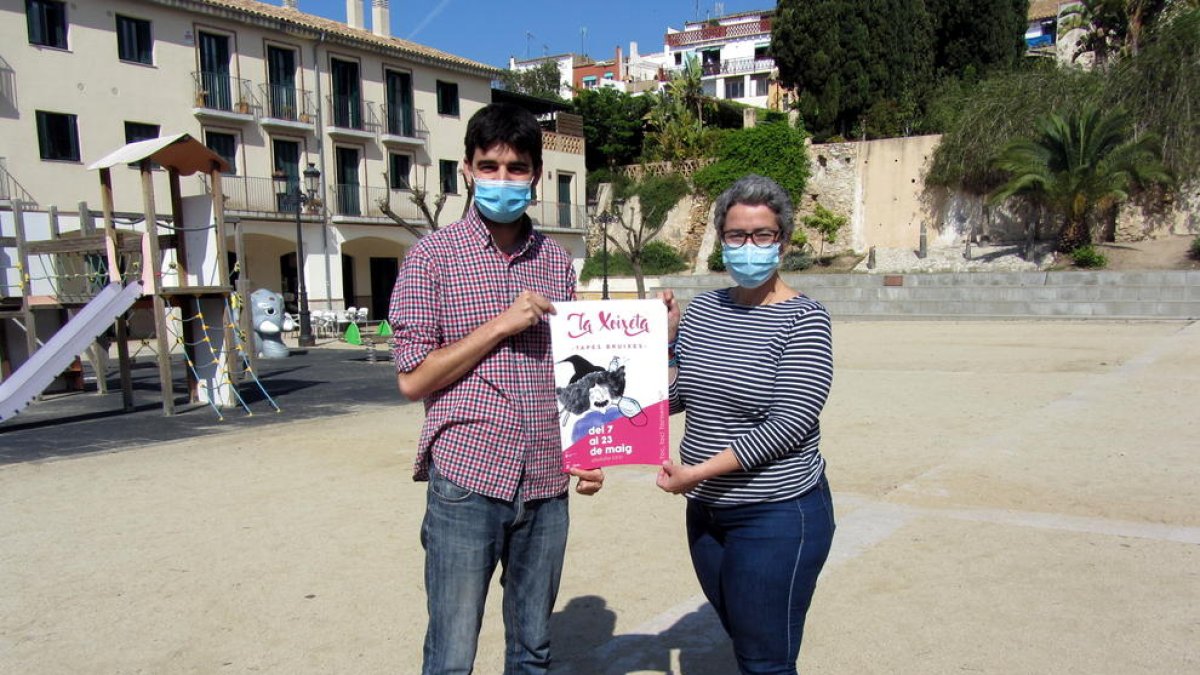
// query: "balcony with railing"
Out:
[720,33]
[404,127]
[259,196]
[11,190]
[749,64]
[558,215]
[224,97]
[359,203]
[351,117]
[288,107]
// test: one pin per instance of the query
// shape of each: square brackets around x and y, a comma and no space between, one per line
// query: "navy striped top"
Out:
[754,379]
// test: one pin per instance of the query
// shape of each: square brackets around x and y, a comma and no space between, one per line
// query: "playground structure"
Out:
[91,279]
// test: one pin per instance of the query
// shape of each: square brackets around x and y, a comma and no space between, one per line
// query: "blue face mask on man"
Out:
[502,201]
[750,265]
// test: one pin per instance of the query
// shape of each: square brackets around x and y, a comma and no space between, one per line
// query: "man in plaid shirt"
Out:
[471,341]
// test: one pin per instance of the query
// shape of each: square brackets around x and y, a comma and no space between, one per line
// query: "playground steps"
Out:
[46,363]
[1166,294]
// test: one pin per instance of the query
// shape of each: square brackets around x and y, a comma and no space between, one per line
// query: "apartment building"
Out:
[277,92]
[734,54]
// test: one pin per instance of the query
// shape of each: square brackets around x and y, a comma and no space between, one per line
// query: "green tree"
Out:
[613,126]
[632,230]
[676,118]
[1078,164]
[975,37]
[1160,86]
[982,119]
[844,56]
[742,152]
[825,223]
[542,81]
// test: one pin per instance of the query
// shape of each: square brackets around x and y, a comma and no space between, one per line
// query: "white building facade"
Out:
[274,91]
[734,55]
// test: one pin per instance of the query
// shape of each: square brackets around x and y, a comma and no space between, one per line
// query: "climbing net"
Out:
[208,356]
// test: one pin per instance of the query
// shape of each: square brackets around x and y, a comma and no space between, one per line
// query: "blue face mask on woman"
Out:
[750,265]
[502,201]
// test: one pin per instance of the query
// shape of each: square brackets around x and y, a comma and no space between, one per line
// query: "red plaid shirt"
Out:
[495,431]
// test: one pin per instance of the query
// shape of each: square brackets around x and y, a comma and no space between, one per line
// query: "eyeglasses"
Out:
[761,238]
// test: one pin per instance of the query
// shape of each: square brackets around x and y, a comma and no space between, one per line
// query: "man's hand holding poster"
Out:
[611,382]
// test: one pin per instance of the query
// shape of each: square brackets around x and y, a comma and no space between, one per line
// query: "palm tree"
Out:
[1078,164]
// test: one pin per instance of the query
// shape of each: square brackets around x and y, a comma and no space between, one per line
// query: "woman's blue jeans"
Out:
[758,566]
[465,535]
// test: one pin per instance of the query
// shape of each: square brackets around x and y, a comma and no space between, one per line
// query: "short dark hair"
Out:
[508,124]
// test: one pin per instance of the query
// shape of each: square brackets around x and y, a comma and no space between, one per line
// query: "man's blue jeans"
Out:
[758,566]
[465,535]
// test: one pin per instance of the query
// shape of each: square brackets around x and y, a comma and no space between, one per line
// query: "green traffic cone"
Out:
[385,329]
[352,335]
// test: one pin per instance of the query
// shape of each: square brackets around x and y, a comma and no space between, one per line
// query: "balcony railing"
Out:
[716,33]
[364,202]
[221,91]
[352,112]
[259,195]
[286,102]
[404,121]
[11,190]
[749,64]
[558,214]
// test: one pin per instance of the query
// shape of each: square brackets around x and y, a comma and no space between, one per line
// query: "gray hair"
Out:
[755,190]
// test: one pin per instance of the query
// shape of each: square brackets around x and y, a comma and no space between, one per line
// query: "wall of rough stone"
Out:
[879,186]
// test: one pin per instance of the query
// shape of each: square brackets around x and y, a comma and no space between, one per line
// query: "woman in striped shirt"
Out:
[752,366]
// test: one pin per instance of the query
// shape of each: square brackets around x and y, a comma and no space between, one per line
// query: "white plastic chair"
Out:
[352,314]
[363,314]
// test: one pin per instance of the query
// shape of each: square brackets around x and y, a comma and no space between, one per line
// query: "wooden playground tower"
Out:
[178,155]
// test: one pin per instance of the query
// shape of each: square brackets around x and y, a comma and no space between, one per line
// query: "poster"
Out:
[610,376]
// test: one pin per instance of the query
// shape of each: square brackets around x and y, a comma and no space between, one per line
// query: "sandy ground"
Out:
[1012,498]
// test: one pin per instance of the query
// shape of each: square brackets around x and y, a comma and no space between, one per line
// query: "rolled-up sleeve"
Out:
[414,311]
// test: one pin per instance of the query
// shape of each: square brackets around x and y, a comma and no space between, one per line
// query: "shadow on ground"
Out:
[582,635]
[308,384]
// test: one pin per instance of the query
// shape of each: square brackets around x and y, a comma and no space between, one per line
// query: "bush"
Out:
[1088,257]
[716,260]
[657,258]
[1194,251]
[745,152]
[795,261]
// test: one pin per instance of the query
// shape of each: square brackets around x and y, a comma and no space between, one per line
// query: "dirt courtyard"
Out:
[1012,497]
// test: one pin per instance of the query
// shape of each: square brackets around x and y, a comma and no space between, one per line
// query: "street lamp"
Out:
[604,218]
[299,198]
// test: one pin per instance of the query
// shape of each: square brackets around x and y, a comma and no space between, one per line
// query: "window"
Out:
[761,85]
[133,40]
[137,131]
[47,23]
[58,138]
[447,98]
[224,145]
[449,171]
[735,87]
[398,176]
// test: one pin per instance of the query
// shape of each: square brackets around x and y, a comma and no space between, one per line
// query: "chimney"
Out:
[620,74]
[381,20]
[633,52]
[354,14]
[290,4]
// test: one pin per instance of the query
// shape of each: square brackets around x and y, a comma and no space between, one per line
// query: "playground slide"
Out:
[70,341]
